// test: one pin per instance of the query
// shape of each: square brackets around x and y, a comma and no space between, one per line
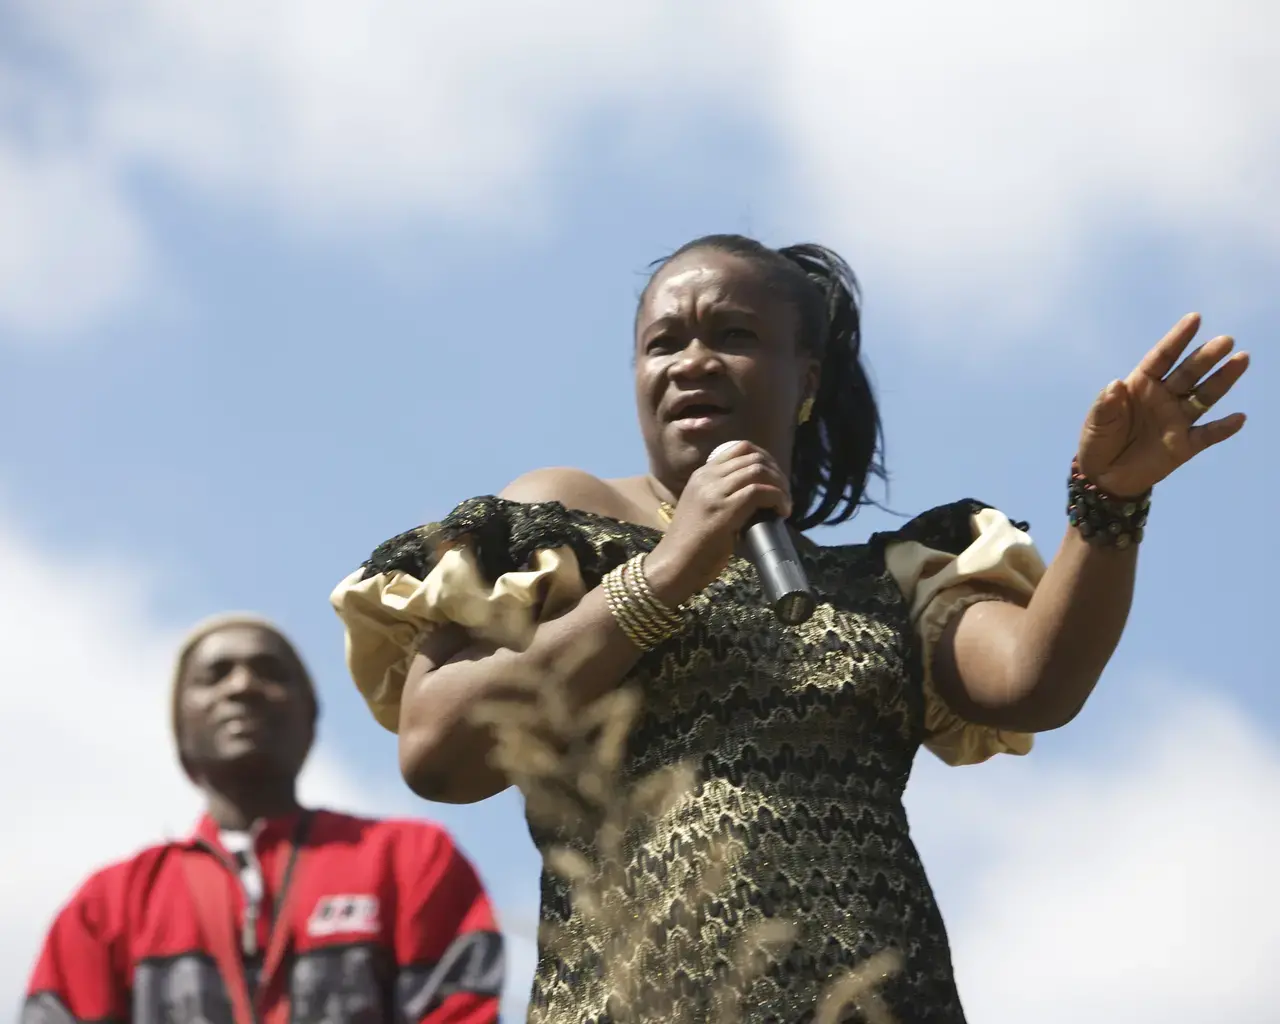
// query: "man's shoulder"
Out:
[112,883]
[412,851]
[142,861]
[414,833]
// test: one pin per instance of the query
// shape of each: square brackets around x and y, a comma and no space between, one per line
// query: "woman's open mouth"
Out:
[698,412]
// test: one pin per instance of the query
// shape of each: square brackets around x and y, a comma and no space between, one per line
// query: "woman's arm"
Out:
[443,754]
[1031,669]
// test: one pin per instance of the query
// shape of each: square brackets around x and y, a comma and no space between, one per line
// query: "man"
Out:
[270,913]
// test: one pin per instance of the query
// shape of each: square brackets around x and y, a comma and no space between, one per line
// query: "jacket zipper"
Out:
[249,928]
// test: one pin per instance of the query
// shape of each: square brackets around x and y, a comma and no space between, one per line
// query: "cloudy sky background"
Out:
[278,281]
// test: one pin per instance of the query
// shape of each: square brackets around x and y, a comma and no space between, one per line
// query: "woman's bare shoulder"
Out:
[573,488]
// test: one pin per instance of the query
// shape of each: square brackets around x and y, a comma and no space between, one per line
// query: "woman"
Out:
[949,632]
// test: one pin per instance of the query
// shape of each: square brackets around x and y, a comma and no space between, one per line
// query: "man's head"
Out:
[243,703]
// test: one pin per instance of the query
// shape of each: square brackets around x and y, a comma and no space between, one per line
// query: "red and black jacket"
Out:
[381,921]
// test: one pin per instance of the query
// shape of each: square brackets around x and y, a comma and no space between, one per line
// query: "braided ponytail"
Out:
[839,448]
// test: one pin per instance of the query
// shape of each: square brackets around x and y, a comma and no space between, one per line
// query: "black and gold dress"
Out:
[802,739]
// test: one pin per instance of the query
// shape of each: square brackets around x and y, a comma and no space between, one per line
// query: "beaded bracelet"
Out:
[1104,519]
[644,619]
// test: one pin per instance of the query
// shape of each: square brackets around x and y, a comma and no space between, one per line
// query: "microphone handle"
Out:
[786,587]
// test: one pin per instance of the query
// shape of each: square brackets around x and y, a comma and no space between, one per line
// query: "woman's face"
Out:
[717,359]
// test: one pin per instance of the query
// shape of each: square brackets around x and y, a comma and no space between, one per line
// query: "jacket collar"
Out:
[266,832]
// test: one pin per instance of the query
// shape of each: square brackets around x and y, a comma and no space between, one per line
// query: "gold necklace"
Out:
[666,511]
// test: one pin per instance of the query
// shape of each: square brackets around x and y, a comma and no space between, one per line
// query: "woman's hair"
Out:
[841,444]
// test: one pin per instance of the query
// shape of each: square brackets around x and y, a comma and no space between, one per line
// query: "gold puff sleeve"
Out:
[430,576]
[999,559]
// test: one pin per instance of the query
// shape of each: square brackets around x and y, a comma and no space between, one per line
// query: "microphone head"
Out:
[795,608]
[718,449]
[787,589]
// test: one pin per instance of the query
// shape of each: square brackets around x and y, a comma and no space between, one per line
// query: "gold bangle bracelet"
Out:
[645,620]
[621,607]
[633,574]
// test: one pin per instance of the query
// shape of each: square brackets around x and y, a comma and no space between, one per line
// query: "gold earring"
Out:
[806,410]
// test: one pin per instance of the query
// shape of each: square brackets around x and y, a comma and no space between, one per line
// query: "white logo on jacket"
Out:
[335,915]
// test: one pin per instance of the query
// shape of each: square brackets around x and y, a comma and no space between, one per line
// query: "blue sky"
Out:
[253,323]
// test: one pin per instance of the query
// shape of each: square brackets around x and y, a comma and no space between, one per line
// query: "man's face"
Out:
[245,702]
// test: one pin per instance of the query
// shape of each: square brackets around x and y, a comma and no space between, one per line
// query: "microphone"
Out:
[782,578]
[785,585]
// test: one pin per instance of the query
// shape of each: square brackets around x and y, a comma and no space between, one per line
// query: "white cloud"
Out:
[972,159]
[329,111]
[333,117]
[978,158]
[1139,887]
[71,247]
[88,763]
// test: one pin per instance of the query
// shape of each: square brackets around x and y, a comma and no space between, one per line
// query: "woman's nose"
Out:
[697,360]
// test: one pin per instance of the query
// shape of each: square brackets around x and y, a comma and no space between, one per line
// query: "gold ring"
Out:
[1198,406]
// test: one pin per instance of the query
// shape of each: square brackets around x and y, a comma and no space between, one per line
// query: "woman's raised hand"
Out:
[1142,428]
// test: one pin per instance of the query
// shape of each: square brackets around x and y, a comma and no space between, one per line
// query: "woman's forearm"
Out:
[1073,624]
[1033,668]
[444,752]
